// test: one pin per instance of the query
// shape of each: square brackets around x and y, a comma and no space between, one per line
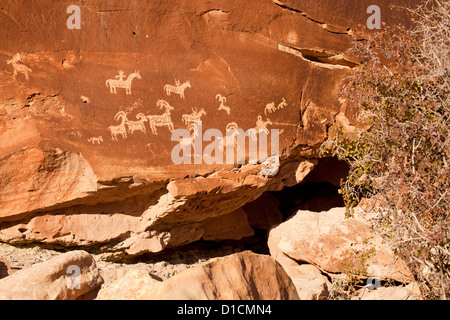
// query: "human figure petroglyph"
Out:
[121,129]
[96,140]
[121,75]
[121,83]
[178,88]
[138,125]
[163,120]
[222,106]
[18,67]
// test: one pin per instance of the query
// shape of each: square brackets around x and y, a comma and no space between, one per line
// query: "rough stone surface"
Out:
[409,292]
[51,280]
[243,276]
[331,241]
[5,268]
[133,286]
[263,213]
[81,163]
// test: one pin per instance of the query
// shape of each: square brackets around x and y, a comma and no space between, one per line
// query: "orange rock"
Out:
[235,277]
[65,277]
[332,242]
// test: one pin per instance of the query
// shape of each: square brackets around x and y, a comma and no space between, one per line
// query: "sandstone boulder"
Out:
[133,286]
[242,276]
[332,242]
[65,277]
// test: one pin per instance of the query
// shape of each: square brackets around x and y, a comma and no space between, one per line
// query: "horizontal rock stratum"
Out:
[86,114]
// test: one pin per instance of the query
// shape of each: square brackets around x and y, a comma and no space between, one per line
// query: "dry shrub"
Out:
[402,156]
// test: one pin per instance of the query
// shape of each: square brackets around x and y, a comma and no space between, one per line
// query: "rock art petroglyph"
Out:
[138,125]
[222,106]
[178,88]
[163,120]
[96,140]
[190,119]
[271,108]
[18,67]
[261,126]
[121,129]
[121,82]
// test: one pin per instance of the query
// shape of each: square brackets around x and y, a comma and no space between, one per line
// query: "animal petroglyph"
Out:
[271,108]
[163,120]
[96,140]
[282,104]
[18,67]
[121,82]
[178,88]
[229,140]
[222,106]
[121,129]
[139,125]
[261,126]
[190,119]
[85,99]
[195,132]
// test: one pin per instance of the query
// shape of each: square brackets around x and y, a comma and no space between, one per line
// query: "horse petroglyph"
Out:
[121,82]
[222,106]
[163,120]
[178,88]
[18,67]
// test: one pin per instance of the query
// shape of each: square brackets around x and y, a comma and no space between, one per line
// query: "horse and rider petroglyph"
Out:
[190,119]
[121,82]
[178,88]
[261,126]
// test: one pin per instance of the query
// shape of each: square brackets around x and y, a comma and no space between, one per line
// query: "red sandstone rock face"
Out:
[80,162]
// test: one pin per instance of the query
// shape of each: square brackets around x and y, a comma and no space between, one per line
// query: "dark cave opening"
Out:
[317,193]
